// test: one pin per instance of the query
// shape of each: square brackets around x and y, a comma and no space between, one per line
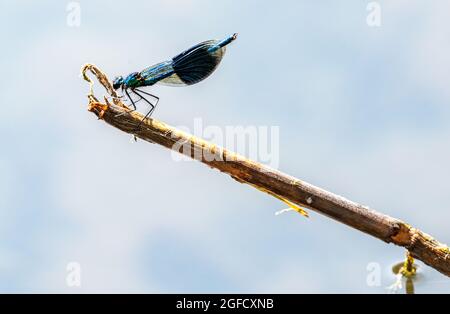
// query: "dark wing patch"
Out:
[198,62]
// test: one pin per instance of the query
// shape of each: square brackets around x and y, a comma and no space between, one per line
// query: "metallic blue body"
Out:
[187,68]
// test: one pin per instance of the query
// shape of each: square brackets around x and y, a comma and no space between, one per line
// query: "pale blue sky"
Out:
[362,111]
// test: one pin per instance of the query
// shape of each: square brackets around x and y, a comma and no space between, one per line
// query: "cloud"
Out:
[350,104]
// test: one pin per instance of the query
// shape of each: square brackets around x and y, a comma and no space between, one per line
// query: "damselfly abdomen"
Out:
[187,68]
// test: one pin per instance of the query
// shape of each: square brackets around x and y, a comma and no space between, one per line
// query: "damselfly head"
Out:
[118,81]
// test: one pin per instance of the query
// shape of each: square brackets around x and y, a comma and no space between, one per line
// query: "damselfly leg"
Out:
[133,103]
[131,100]
[153,106]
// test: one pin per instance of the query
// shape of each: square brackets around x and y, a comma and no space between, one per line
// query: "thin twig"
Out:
[285,187]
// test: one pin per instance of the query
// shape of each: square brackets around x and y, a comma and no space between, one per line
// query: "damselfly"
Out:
[187,68]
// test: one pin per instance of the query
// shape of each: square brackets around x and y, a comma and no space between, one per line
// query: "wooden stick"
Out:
[266,179]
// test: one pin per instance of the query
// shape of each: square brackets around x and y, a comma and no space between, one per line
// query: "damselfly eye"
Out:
[117,82]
